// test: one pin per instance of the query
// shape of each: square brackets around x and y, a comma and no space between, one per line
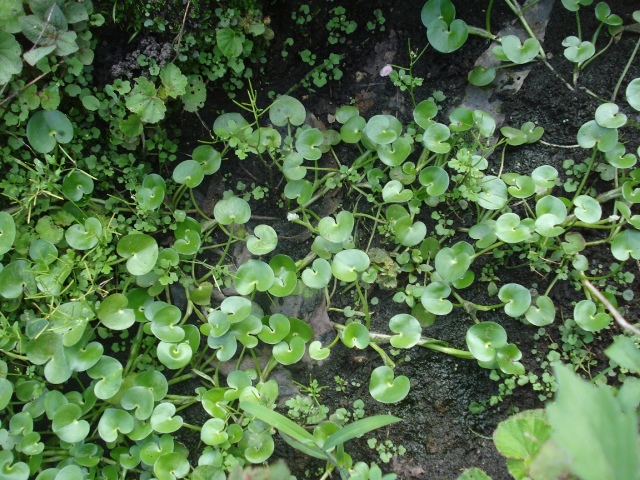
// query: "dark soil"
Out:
[442,437]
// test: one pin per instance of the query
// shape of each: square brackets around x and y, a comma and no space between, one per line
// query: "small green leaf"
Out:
[484,339]
[338,230]
[164,419]
[317,275]
[141,252]
[519,52]
[385,388]
[112,422]
[173,81]
[47,128]
[86,236]
[407,329]
[591,134]
[229,42]
[10,61]
[356,335]
[543,313]
[7,232]
[144,101]
[587,208]
[521,436]
[633,93]
[189,173]
[434,298]
[588,318]
[114,314]
[516,297]
[285,110]
[232,210]
[608,115]
[626,244]
[253,275]
[481,76]
[447,37]
[578,51]
[348,263]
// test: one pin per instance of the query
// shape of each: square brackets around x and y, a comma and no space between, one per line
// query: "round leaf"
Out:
[517,298]
[633,93]
[407,330]
[387,389]
[7,232]
[356,335]
[47,128]
[141,252]
[519,52]
[253,275]
[318,274]
[348,263]
[587,208]
[263,241]
[114,314]
[588,318]
[447,38]
[189,173]
[434,298]
[543,313]
[232,210]
[483,339]
[285,110]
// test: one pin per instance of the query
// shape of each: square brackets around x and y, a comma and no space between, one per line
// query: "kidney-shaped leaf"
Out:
[387,389]
[47,128]
[141,252]
[484,338]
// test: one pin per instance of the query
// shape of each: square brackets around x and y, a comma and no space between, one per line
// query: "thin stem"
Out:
[613,310]
[624,72]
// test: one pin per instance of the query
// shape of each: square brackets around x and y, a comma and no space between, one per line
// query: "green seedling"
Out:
[382,129]
[285,278]
[232,210]
[424,113]
[386,388]
[395,153]
[435,138]
[543,313]
[309,142]
[338,230]
[517,299]
[348,263]
[434,298]
[485,339]
[452,263]
[512,49]
[263,241]
[626,245]
[591,134]
[588,317]
[318,275]
[253,275]
[150,195]
[46,129]
[407,329]
[287,110]
[355,335]
[76,185]
[445,33]
[141,252]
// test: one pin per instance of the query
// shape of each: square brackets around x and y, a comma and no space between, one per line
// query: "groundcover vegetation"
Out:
[139,279]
